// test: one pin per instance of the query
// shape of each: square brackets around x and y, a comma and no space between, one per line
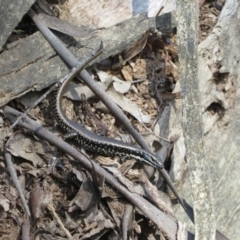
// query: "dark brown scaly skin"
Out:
[98,144]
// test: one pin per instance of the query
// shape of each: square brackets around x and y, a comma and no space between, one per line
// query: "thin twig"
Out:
[26,229]
[13,174]
[59,221]
[125,221]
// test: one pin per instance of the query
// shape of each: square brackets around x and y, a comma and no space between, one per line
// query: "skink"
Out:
[102,145]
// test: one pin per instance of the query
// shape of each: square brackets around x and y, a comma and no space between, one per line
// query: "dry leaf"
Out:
[38,201]
[28,148]
[128,106]
[119,85]
[79,175]
[4,203]
[132,51]
[85,198]
[99,227]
